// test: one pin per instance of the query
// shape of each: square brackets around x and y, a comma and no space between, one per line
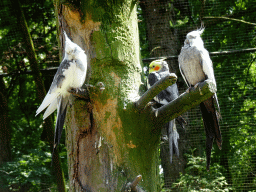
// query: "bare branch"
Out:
[154,90]
[135,182]
[185,101]
[232,19]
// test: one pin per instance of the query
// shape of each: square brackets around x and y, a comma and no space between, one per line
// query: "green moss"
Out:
[107,115]
[143,158]
[97,9]
[102,49]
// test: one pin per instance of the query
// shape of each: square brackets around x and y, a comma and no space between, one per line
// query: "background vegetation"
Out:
[233,168]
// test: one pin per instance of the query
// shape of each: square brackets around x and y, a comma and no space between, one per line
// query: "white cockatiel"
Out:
[70,74]
[196,66]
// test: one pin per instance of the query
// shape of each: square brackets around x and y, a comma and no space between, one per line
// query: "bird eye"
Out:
[153,66]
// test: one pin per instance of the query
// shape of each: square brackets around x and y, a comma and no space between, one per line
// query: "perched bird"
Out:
[159,69]
[196,66]
[70,74]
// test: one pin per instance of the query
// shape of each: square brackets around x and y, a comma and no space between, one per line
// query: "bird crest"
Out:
[157,65]
[193,38]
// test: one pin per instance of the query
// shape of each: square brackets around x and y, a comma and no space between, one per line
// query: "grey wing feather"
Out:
[170,93]
[52,95]
[59,77]
[153,78]
[184,77]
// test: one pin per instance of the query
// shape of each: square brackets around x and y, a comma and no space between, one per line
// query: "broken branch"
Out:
[132,187]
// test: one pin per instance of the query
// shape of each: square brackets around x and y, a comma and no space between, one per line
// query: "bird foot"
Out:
[150,104]
[164,138]
[101,86]
[200,91]
[189,89]
[79,92]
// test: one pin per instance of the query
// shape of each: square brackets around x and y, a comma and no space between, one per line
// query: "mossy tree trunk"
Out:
[108,141]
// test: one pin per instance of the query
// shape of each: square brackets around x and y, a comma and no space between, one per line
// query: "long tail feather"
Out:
[49,98]
[61,115]
[181,121]
[51,108]
[211,125]
[217,102]
[173,136]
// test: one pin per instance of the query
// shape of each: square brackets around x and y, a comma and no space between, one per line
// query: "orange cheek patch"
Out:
[157,68]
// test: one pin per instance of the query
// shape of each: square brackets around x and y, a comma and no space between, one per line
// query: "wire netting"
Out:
[229,36]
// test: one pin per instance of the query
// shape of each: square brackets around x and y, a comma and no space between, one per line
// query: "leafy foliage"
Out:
[28,171]
[30,168]
[196,178]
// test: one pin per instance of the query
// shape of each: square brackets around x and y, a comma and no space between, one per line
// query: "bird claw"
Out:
[101,86]
[150,104]
[156,113]
[189,89]
[79,92]
[164,138]
[200,90]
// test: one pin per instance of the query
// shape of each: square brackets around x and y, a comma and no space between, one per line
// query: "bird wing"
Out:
[170,93]
[180,67]
[207,65]
[153,78]
[54,91]
[208,70]
[167,95]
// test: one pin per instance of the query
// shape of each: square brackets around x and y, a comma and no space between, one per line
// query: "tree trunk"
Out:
[108,141]
[5,130]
